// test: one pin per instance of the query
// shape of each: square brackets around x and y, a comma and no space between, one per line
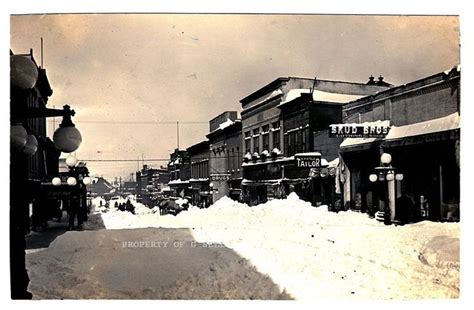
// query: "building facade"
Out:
[179,168]
[225,155]
[199,181]
[283,125]
[423,141]
[150,182]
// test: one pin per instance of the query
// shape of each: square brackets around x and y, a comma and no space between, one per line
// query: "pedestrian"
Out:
[404,209]
[73,211]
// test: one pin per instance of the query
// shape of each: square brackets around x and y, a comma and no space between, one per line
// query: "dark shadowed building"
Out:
[423,141]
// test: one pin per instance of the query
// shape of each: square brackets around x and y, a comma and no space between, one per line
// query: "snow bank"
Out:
[314,254]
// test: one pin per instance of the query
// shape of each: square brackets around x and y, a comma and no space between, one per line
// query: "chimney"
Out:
[371,80]
[380,79]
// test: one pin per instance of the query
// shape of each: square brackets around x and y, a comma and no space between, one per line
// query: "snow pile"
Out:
[313,253]
[226,124]
[180,201]
[116,219]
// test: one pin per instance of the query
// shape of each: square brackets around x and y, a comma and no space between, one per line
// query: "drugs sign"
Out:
[358,131]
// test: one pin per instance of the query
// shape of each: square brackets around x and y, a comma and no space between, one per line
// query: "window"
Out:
[256,140]
[290,143]
[247,146]
[266,137]
[305,141]
[266,141]
[276,139]
[238,158]
[256,147]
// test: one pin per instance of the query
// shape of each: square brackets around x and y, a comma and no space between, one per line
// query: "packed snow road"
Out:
[306,252]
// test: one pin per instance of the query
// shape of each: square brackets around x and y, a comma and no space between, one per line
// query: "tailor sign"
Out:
[308,161]
[358,130]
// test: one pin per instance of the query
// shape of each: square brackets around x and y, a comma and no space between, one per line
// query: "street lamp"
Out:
[71,161]
[56,181]
[67,138]
[71,181]
[386,172]
[31,145]
[18,136]
[23,72]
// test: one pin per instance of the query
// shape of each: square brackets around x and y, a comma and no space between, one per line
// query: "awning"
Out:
[261,182]
[438,125]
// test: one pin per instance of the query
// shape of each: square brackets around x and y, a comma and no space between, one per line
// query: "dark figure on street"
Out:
[405,209]
[74,206]
[129,207]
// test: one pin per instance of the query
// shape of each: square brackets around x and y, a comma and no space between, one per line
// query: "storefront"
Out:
[199,191]
[311,177]
[424,154]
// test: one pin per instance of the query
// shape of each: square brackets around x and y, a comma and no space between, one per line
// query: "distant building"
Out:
[151,181]
[179,168]
[199,181]
[100,187]
[129,187]
[225,159]
[284,123]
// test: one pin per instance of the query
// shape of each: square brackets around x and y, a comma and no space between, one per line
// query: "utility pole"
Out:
[177,133]
[42,52]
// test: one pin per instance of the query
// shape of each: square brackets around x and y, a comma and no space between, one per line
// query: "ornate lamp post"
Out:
[23,142]
[386,172]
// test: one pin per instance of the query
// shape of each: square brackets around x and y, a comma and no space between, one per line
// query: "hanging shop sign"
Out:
[358,130]
[219,177]
[304,161]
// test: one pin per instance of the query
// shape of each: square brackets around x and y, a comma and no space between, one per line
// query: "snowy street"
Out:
[283,249]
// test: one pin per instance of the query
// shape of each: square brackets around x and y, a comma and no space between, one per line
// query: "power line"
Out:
[137,122]
[158,159]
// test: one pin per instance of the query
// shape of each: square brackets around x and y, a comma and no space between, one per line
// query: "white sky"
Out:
[150,67]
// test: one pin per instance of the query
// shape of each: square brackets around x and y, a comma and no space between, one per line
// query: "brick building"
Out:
[150,182]
[423,140]
[225,155]
[199,181]
[286,120]
[179,168]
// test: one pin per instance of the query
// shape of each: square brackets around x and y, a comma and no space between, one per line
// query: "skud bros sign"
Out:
[358,131]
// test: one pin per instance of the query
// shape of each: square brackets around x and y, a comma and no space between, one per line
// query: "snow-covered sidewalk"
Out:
[314,254]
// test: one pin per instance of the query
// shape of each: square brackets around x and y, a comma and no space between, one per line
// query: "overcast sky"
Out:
[190,68]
